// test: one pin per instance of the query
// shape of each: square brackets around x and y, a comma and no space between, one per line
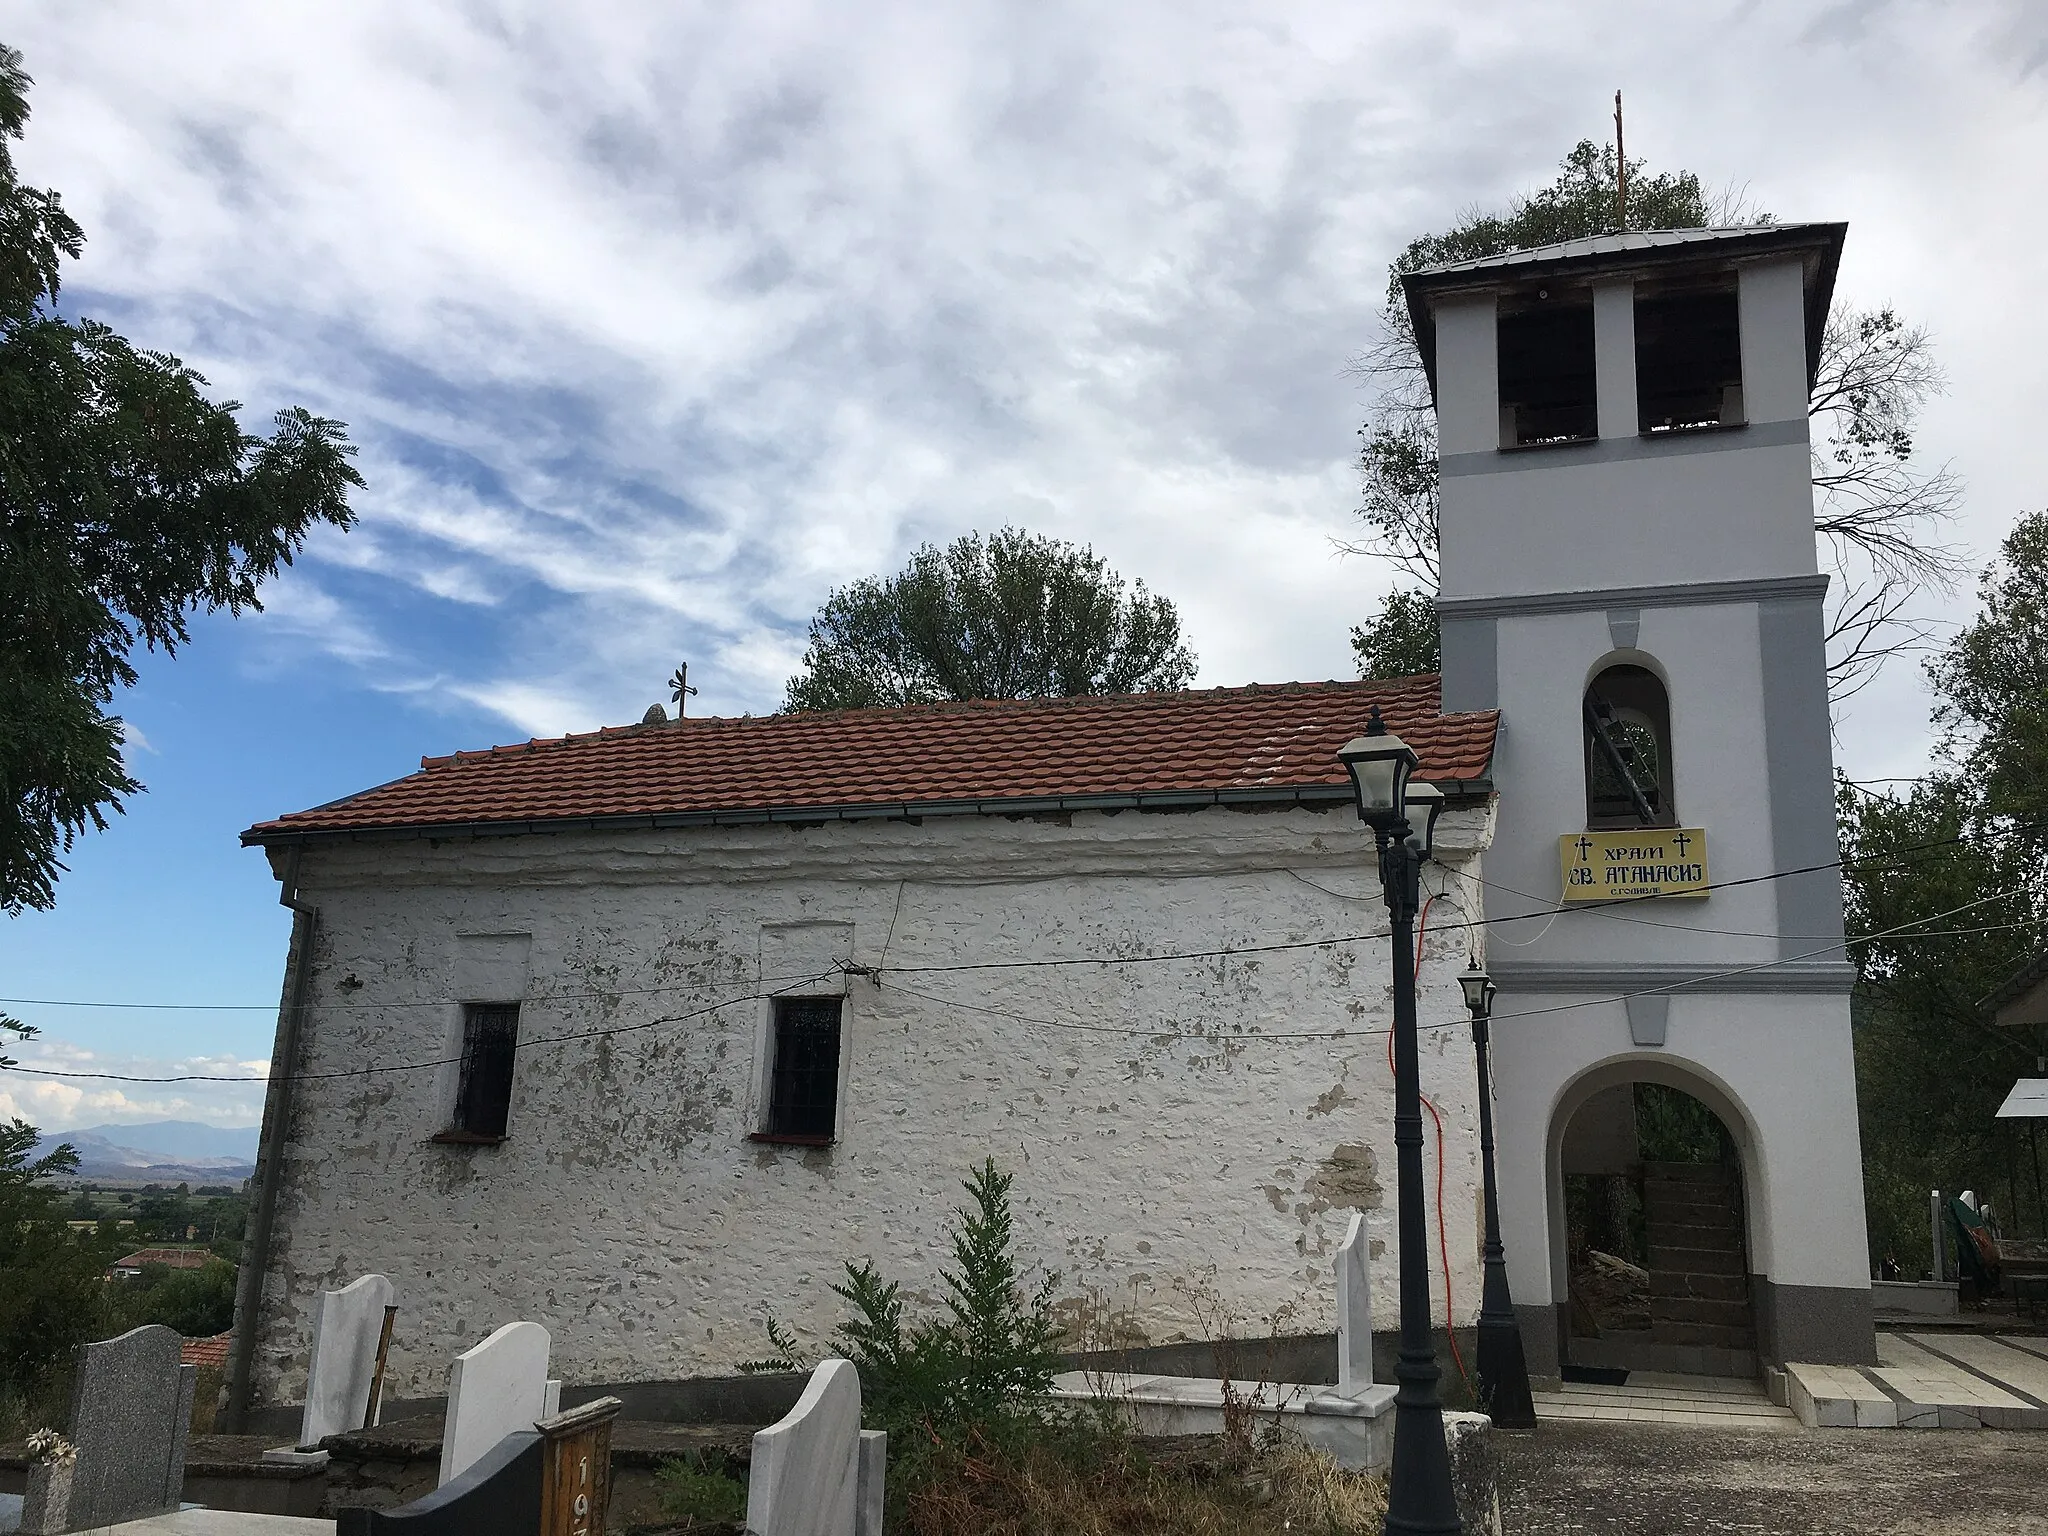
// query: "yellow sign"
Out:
[1646,861]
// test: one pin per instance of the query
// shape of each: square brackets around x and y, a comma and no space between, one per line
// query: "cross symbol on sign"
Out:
[1585,846]
[1684,841]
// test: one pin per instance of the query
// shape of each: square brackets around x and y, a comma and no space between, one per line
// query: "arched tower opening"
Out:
[1655,1234]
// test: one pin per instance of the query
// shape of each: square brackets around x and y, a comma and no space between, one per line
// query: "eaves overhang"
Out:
[1457,792]
[1634,253]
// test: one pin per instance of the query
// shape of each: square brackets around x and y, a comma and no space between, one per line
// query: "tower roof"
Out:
[1629,253]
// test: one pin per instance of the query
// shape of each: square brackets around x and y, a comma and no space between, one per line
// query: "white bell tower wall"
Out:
[1687,552]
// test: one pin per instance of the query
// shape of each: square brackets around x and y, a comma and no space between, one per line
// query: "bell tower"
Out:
[1629,576]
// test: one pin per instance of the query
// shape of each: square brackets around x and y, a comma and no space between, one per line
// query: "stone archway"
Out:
[1651,1225]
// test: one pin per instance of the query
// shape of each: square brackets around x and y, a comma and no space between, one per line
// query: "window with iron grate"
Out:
[803,1087]
[483,1094]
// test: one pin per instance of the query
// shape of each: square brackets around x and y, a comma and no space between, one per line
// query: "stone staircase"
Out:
[1699,1274]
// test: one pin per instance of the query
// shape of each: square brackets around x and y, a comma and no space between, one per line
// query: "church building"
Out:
[640,1034]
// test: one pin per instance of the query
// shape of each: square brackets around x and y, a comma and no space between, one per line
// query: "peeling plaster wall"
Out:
[1181,1184]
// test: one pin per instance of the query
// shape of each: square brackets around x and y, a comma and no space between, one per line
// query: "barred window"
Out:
[483,1094]
[803,1089]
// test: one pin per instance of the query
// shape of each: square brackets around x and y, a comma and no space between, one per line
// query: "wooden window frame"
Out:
[800,1098]
[486,1076]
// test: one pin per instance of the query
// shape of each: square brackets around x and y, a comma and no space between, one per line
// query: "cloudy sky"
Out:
[656,321]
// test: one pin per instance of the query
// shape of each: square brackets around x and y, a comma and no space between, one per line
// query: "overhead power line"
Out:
[1157,1032]
[1603,909]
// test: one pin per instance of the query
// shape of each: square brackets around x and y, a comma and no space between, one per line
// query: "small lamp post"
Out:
[1419,1493]
[1503,1371]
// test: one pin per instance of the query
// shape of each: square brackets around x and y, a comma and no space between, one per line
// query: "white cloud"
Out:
[657,321]
[64,1103]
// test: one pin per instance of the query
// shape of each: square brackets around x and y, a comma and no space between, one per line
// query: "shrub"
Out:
[691,1490]
[952,1388]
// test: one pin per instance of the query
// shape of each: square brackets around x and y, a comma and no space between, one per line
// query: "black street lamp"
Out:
[1503,1372]
[1419,1493]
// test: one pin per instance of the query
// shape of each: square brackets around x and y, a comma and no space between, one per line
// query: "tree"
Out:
[1946,876]
[1013,616]
[52,1281]
[198,1303]
[1402,641]
[1878,511]
[128,500]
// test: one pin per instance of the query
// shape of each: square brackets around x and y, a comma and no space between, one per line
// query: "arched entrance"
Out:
[1655,1253]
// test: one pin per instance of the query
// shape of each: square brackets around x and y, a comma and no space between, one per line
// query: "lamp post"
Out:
[1503,1372]
[1419,1493]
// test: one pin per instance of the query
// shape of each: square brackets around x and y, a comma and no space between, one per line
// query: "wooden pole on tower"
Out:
[1621,168]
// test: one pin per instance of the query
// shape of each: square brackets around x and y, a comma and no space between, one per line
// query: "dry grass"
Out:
[1113,1486]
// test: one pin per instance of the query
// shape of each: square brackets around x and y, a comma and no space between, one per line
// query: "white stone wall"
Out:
[1184,1184]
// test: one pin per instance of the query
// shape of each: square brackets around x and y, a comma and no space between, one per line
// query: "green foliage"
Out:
[52,1281]
[1402,640]
[1674,1127]
[1992,684]
[1582,201]
[690,1489]
[1012,616]
[128,500]
[198,1303]
[1931,1065]
[951,1386]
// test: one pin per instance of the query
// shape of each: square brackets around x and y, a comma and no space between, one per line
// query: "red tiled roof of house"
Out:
[1236,742]
[170,1258]
[205,1352]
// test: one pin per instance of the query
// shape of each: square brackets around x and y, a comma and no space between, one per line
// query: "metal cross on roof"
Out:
[679,687]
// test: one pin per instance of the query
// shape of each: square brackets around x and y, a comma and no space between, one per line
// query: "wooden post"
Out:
[1621,168]
[373,1410]
[576,1469]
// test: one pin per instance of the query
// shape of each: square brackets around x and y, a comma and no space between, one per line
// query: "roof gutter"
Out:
[269,1175]
[1456,791]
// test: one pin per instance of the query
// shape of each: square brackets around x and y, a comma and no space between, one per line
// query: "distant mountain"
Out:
[165,1152]
[175,1140]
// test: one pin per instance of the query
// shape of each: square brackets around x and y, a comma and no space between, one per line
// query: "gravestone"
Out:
[550,1479]
[342,1374]
[815,1472]
[1354,1311]
[131,1409]
[496,1389]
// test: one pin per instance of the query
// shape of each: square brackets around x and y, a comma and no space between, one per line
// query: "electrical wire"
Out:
[1337,1034]
[1443,1233]
[1228,952]
[420,1066]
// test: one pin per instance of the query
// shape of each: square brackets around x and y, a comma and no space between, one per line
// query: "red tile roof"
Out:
[1232,743]
[205,1352]
[170,1258]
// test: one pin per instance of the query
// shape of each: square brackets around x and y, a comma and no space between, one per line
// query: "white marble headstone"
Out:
[496,1388]
[344,1362]
[805,1475]
[1354,1310]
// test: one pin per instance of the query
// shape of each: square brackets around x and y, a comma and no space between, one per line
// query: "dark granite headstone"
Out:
[498,1495]
[131,1409]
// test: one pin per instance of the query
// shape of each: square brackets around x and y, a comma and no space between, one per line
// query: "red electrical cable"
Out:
[1442,1232]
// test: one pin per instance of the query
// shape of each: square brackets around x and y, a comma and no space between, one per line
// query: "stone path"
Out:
[1600,1479]
[1927,1380]
[1703,1402]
